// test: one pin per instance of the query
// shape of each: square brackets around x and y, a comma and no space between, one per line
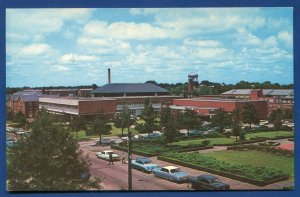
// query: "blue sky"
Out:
[51,47]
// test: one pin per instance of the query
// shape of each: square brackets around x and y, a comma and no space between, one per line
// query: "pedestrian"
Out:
[123,158]
[110,159]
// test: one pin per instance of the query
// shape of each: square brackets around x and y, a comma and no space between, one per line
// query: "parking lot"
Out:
[115,177]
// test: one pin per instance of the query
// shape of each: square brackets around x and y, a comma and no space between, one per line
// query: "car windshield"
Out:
[175,170]
[147,161]
[216,180]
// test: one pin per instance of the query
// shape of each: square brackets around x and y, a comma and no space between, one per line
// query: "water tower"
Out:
[193,80]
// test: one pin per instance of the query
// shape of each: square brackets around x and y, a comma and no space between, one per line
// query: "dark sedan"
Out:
[207,182]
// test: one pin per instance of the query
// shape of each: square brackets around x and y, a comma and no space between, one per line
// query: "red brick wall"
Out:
[88,107]
[229,106]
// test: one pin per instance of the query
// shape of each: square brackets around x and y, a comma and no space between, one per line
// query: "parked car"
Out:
[171,173]
[10,142]
[207,182]
[105,155]
[105,141]
[143,164]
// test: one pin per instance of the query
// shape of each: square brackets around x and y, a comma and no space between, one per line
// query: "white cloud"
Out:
[31,22]
[71,58]
[103,46]
[202,43]
[61,68]
[34,49]
[124,30]
[285,37]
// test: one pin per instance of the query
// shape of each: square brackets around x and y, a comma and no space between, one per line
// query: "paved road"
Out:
[115,177]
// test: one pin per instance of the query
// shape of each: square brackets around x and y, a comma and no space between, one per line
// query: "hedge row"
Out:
[241,142]
[270,138]
[145,154]
[175,148]
[268,175]
[267,149]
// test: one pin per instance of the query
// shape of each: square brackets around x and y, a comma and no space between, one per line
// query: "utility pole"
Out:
[129,161]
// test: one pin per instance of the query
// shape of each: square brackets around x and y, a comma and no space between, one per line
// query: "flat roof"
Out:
[113,88]
[219,100]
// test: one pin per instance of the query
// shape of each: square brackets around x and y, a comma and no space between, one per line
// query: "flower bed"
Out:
[251,174]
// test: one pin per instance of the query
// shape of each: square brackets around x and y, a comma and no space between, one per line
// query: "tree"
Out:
[189,120]
[276,117]
[148,115]
[250,114]
[169,125]
[236,130]
[20,118]
[77,124]
[9,114]
[48,159]
[122,119]
[100,125]
[221,119]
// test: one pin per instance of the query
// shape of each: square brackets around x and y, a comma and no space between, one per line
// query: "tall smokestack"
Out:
[109,76]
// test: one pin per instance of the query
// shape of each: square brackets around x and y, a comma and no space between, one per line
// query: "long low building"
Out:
[208,107]
[109,105]
[78,106]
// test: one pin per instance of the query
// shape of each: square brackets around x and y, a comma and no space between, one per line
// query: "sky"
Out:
[68,47]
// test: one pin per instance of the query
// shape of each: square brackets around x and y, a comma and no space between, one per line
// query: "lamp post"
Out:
[129,160]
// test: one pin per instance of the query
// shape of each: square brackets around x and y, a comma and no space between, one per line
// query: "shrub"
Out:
[205,142]
[253,172]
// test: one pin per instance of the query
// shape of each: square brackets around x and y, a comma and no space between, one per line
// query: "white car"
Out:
[105,155]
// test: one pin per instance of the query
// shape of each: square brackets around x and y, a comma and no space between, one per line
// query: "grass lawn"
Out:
[115,132]
[256,158]
[270,134]
[221,140]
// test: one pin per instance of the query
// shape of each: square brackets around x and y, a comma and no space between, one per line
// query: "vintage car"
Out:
[105,155]
[143,164]
[171,173]
[207,182]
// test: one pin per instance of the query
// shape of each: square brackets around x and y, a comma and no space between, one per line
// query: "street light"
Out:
[129,159]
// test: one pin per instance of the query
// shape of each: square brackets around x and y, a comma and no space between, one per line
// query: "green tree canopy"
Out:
[148,115]
[47,160]
[99,125]
[189,120]
[169,125]
[250,114]
[122,119]
[221,119]
[77,123]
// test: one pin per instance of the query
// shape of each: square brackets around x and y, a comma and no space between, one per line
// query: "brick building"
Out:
[78,106]
[26,102]
[133,95]
[208,108]
[276,98]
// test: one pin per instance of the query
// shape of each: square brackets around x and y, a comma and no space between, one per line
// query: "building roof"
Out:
[266,92]
[27,96]
[129,88]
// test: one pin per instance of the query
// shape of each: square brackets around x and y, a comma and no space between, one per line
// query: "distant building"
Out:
[60,92]
[26,102]
[208,107]
[84,92]
[129,89]
[78,106]
[276,98]
[133,95]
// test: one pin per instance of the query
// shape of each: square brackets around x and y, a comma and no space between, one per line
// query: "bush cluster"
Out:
[253,172]
[267,149]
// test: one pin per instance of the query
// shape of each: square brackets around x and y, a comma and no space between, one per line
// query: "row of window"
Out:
[137,103]
[58,105]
